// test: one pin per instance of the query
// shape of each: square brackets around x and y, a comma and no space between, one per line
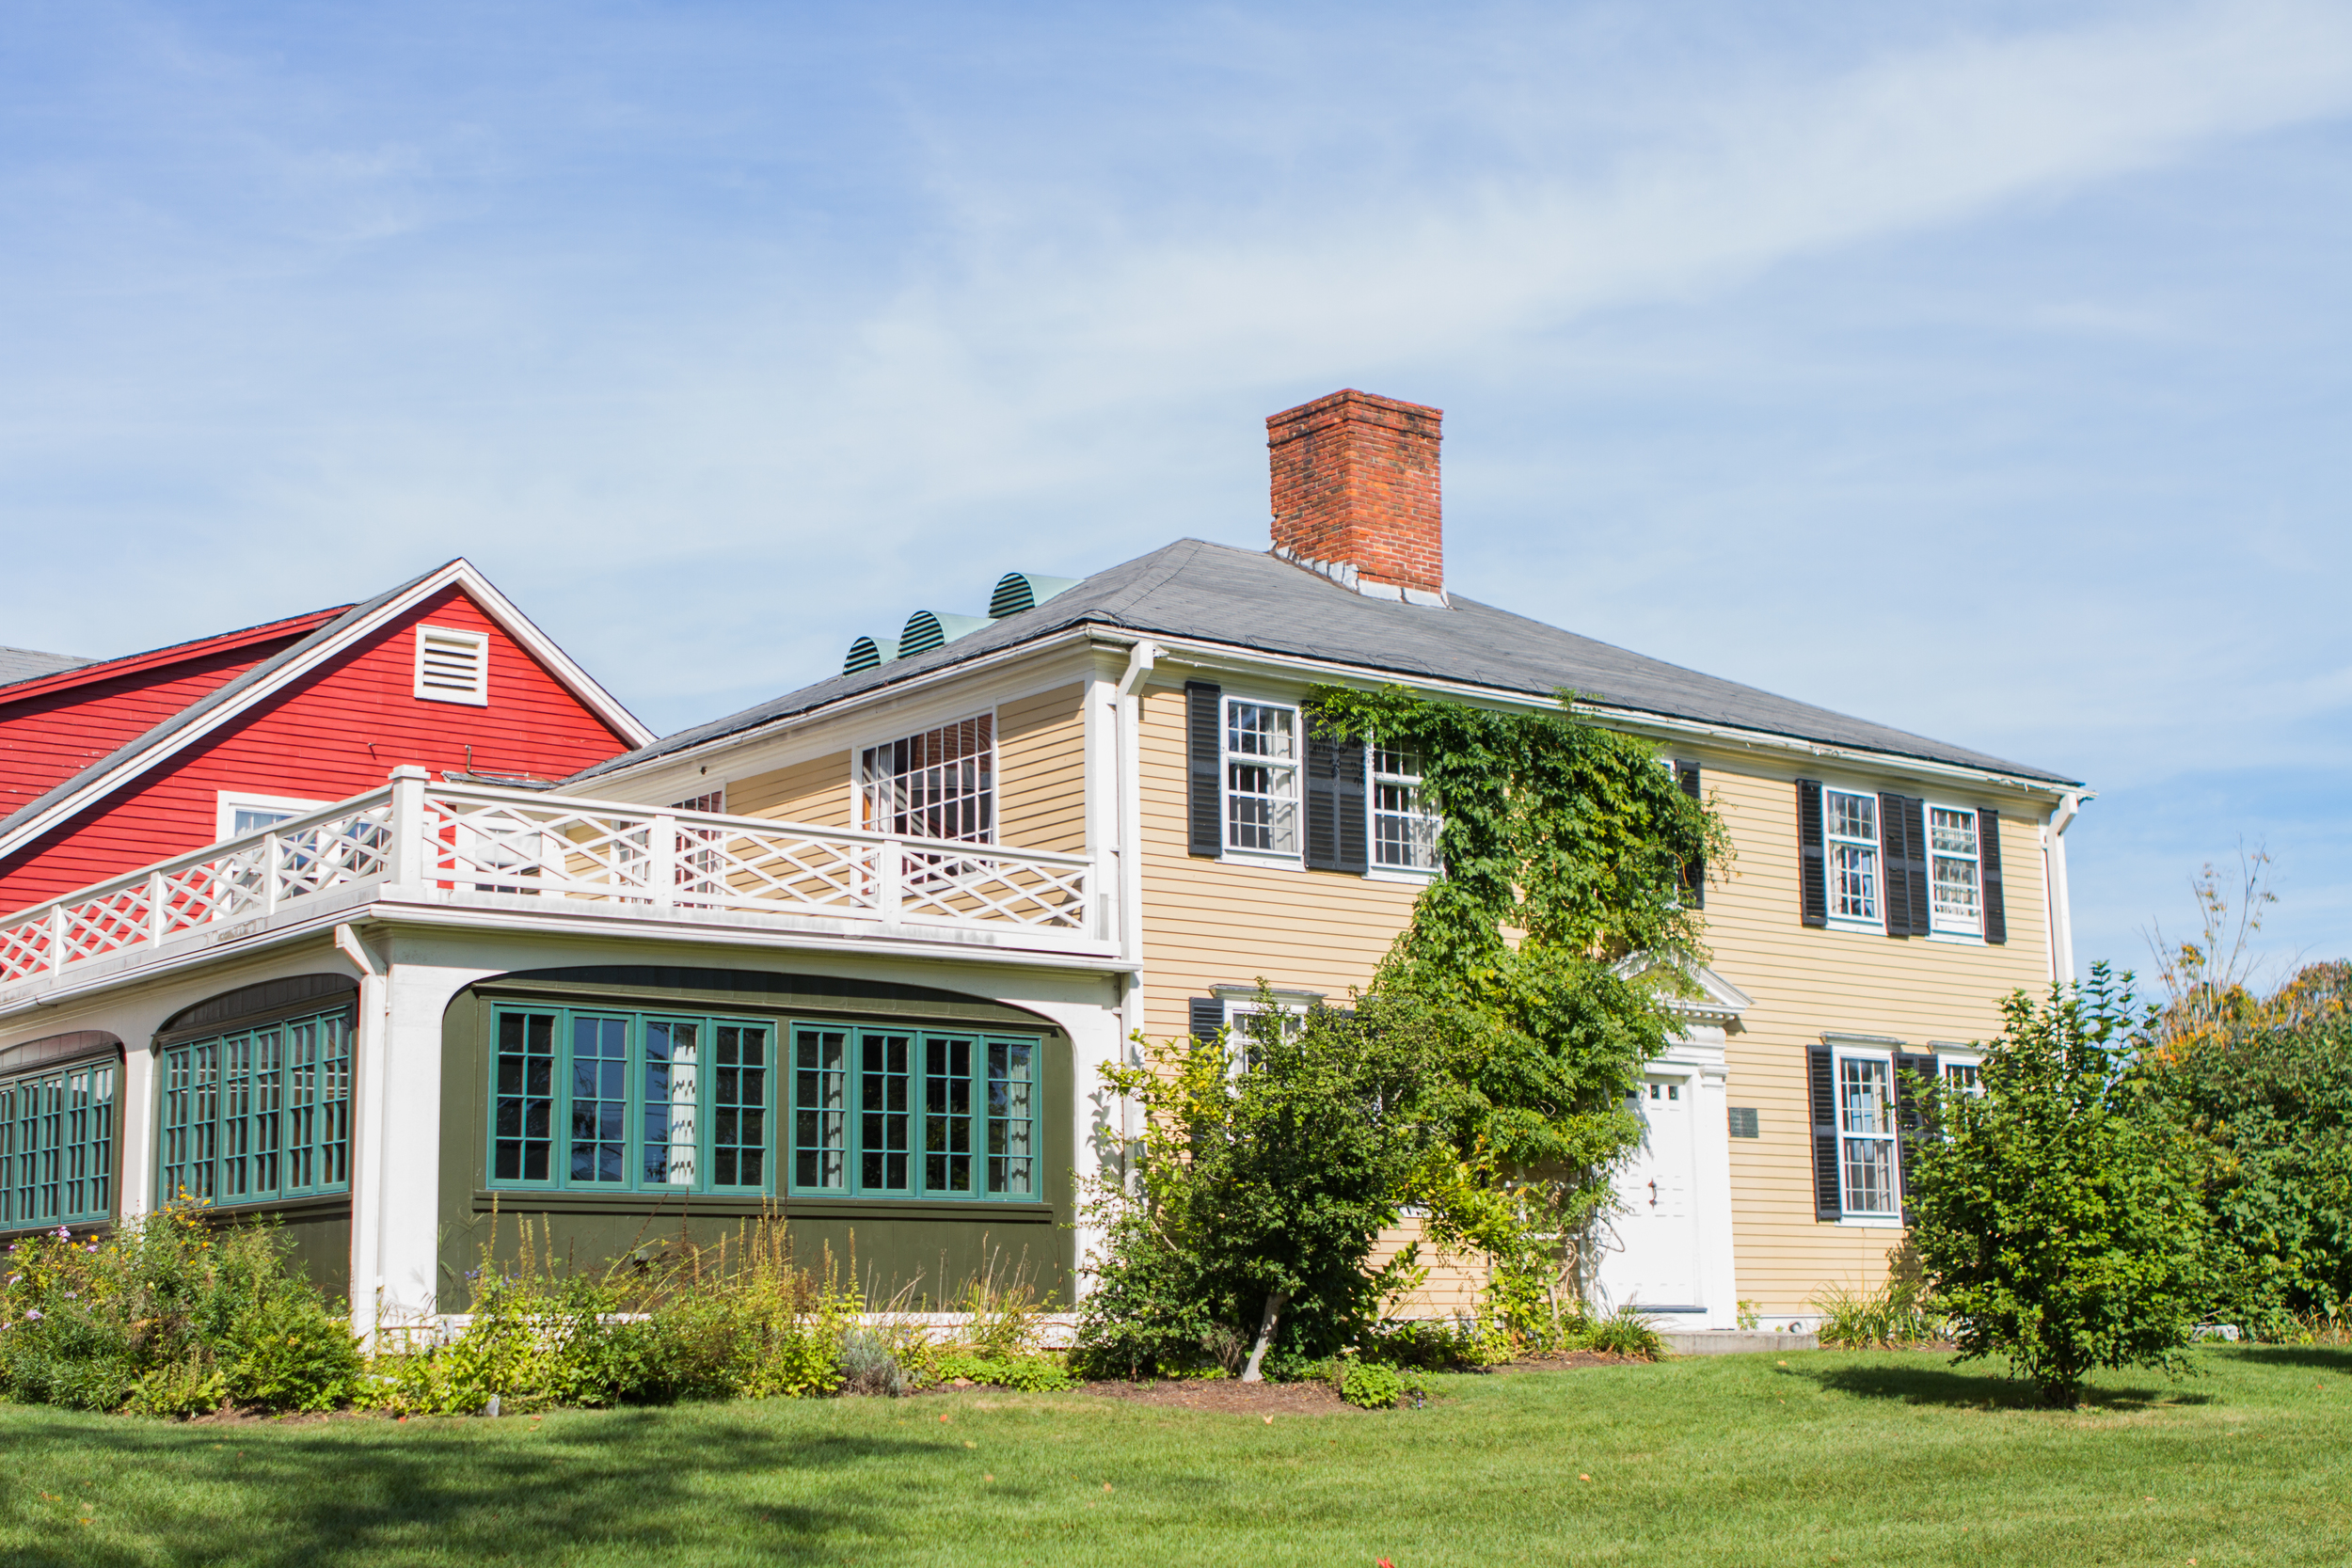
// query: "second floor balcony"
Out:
[454,849]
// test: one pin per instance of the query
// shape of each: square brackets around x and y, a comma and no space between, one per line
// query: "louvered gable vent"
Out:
[1020,590]
[452,666]
[869,653]
[927,630]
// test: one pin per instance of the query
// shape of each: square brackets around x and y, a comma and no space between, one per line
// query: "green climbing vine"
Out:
[1549,944]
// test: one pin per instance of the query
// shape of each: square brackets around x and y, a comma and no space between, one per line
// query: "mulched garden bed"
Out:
[1230,1396]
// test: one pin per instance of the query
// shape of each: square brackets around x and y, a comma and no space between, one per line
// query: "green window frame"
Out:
[622,1099]
[914,1112]
[57,1145]
[258,1115]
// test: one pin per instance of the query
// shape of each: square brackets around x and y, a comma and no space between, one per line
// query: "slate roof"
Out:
[1257,602]
[23,664]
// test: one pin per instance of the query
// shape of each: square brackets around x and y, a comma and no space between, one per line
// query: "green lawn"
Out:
[1813,1458]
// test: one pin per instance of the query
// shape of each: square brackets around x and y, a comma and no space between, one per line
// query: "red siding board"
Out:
[335,733]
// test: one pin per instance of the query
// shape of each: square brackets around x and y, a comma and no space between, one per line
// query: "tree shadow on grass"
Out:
[624,1486]
[1980,1391]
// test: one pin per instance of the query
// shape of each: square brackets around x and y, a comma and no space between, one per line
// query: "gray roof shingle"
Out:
[23,664]
[1248,600]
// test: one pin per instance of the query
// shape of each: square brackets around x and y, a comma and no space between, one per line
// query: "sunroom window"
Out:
[259,1114]
[58,1146]
[602,1100]
[940,783]
[890,1113]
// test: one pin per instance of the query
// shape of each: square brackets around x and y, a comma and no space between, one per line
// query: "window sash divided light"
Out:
[1850,830]
[259,1114]
[57,1145]
[1867,1137]
[1405,824]
[940,783]
[1955,882]
[595,1099]
[915,1113]
[1261,778]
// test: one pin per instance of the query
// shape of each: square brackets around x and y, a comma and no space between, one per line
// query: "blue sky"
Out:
[1982,369]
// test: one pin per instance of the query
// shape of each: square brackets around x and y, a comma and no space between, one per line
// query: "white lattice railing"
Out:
[466,843]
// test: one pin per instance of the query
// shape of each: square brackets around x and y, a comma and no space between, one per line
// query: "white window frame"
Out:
[1875,920]
[1292,767]
[1242,1004]
[1971,1062]
[479,641]
[227,802]
[1418,811]
[862,787]
[1940,924]
[1888,1139]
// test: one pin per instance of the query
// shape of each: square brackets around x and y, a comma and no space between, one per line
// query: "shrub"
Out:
[1029,1374]
[1893,1317]
[1623,1332]
[1432,1346]
[171,1315]
[870,1364]
[2054,1217]
[1370,1385]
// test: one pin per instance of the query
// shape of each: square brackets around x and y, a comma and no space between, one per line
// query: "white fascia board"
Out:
[542,647]
[1219,657]
[459,573]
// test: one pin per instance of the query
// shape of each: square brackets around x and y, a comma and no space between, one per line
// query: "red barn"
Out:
[111,765]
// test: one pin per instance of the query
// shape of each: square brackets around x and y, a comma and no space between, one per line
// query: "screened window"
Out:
[259,1113]
[889,1113]
[1851,826]
[1404,820]
[1261,777]
[941,784]
[599,1100]
[58,1146]
[1865,1127]
[1952,873]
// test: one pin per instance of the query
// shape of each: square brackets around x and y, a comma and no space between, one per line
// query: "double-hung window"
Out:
[612,1099]
[259,1114]
[913,1114]
[57,1145]
[1261,777]
[941,784]
[1953,876]
[1850,822]
[1866,1135]
[1404,822]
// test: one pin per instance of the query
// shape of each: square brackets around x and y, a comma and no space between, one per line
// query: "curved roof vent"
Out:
[1020,590]
[869,653]
[928,629]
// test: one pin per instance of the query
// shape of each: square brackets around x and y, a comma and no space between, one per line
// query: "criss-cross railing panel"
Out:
[459,842]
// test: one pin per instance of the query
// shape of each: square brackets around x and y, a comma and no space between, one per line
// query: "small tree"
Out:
[2055,1217]
[1271,1163]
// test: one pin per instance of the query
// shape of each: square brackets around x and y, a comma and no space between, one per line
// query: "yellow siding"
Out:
[1040,771]
[1211,923]
[1804,981]
[816,792]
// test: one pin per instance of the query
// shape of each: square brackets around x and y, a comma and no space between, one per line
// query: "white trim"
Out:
[1296,766]
[460,573]
[433,685]
[227,802]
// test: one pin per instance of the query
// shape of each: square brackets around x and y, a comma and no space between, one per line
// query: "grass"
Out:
[1809,1458]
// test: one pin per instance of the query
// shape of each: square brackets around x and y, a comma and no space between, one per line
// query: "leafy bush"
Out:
[1896,1316]
[1623,1332]
[171,1316]
[1029,1374]
[870,1364]
[1432,1346]
[1370,1385]
[2055,1218]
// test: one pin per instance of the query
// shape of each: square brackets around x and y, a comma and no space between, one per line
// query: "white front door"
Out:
[1656,1224]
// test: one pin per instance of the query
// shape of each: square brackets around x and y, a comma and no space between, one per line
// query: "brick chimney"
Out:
[1356,494]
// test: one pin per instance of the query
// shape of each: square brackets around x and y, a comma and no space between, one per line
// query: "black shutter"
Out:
[1208,1017]
[1694,869]
[1894,866]
[1205,739]
[1914,1112]
[1821,1073]
[1915,831]
[1989,862]
[1322,806]
[1348,766]
[1811,875]
[1903,864]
